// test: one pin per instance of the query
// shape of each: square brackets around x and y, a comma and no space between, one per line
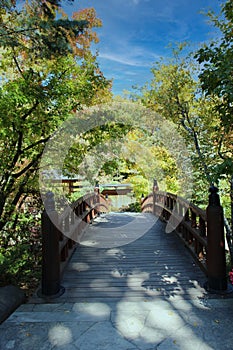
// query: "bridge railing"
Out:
[202,231]
[60,234]
[188,220]
[76,218]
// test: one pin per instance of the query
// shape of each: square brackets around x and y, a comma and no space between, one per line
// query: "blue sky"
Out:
[136,33]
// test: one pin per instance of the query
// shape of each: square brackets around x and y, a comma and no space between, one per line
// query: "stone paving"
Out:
[152,324]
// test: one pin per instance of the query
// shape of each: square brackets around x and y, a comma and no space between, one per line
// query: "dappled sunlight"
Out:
[100,284]
[130,318]
[183,305]
[116,253]
[79,266]
[157,252]
[60,335]
[153,292]
[135,280]
[163,284]
[99,310]
[101,218]
[161,313]
[117,273]
[155,321]
[145,323]
[89,243]
[196,291]
[170,279]
[96,283]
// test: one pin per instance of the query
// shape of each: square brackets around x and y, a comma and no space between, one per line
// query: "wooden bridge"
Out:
[170,249]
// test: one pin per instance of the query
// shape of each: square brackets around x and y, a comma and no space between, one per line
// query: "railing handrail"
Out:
[57,247]
[201,231]
[187,219]
[180,199]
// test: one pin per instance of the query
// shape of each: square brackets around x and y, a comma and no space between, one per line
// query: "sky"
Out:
[137,33]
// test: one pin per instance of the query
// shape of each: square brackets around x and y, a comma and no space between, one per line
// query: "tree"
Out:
[124,145]
[216,81]
[47,72]
[42,29]
[176,95]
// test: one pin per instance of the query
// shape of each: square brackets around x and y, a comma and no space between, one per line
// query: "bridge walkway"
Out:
[129,256]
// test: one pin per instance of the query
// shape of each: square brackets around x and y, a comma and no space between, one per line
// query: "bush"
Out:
[20,249]
[132,207]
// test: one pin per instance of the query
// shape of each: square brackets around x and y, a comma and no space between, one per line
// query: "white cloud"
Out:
[136,33]
[123,59]
[136,2]
[130,55]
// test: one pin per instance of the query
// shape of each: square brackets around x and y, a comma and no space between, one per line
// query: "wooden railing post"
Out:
[216,257]
[97,194]
[50,250]
[155,189]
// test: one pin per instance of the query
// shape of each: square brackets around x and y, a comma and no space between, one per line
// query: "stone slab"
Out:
[10,298]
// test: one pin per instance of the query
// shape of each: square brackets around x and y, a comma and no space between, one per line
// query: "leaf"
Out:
[2,258]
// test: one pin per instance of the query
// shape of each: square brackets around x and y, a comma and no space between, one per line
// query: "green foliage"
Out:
[41,29]
[19,267]
[39,91]
[134,207]
[123,153]
[141,185]
[1,258]
[20,248]
[47,73]
[96,142]
[216,81]
[177,95]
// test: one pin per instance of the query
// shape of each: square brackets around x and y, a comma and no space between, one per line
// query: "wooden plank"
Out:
[153,265]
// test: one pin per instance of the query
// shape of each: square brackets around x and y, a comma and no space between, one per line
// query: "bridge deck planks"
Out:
[153,265]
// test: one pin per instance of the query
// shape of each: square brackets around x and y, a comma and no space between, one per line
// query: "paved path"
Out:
[146,294]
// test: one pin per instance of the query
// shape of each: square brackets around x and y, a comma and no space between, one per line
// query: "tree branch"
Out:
[13,32]
[18,66]
[36,144]
[193,133]
[19,142]
[30,165]
[24,117]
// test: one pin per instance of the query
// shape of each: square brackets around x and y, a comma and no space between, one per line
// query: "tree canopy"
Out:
[216,80]
[47,73]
